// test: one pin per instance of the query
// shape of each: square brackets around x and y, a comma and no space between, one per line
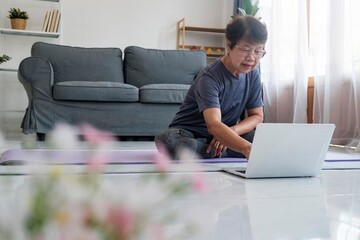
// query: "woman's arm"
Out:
[224,134]
[255,116]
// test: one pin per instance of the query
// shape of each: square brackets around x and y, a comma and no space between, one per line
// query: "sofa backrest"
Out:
[153,66]
[82,64]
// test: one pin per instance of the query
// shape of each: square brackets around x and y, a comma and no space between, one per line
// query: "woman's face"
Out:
[245,56]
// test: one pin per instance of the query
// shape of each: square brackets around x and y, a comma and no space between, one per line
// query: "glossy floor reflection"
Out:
[327,207]
[301,208]
[236,208]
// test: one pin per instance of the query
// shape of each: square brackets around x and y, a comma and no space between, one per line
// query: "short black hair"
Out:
[248,28]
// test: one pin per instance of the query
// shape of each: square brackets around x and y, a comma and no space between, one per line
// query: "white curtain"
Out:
[285,68]
[335,57]
[327,49]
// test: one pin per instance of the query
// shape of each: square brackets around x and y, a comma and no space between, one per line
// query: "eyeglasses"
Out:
[247,52]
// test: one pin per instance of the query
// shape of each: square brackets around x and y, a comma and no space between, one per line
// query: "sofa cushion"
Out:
[95,91]
[153,66]
[82,64]
[163,93]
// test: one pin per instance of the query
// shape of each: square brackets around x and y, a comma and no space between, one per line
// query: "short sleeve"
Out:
[207,92]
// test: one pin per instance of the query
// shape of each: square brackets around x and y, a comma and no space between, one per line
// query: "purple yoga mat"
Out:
[81,156]
[55,156]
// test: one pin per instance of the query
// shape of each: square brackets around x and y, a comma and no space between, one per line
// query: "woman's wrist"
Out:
[246,149]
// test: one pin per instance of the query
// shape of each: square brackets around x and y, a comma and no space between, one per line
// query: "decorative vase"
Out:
[18,23]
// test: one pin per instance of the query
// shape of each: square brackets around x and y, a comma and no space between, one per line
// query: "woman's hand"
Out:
[217,148]
[247,151]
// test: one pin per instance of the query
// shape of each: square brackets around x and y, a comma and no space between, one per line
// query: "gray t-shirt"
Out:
[216,87]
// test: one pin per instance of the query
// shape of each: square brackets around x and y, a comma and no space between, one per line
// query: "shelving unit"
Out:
[211,51]
[17,44]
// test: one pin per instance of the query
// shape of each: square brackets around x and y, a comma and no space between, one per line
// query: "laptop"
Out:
[287,150]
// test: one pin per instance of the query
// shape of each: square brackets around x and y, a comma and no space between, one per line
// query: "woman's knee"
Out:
[167,141]
[174,140]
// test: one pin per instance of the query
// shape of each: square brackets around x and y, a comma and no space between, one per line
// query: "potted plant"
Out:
[249,8]
[4,58]
[18,18]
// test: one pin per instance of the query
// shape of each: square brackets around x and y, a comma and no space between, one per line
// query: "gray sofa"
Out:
[135,96]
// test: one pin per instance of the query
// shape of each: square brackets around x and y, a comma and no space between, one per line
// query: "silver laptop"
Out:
[287,150]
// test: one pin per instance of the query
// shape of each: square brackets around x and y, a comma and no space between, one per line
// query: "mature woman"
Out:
[211,119]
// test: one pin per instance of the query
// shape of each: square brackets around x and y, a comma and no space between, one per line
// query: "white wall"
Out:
[145,23]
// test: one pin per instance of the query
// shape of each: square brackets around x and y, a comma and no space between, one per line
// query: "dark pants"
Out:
[175,139]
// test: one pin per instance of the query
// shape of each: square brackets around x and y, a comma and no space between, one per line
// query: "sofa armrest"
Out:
[37,76]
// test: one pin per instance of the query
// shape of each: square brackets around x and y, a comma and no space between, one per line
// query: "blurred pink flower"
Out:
[95,136]
[90,208]
[198,182]
[123,221]
[158,231]
[97,161]
[161,160]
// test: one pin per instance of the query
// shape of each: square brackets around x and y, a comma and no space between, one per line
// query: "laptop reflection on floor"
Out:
[287,150]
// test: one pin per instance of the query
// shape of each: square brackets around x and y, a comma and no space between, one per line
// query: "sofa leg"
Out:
[40,137]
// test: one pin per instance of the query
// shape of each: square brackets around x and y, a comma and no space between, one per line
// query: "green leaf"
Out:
[242,11]
[4,58]
[255,8]
[247,6]
[17,13]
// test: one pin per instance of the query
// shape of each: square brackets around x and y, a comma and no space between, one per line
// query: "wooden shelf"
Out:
[29,33]
[8,70]
[202,29]
[214,55]
[213,51]
[210,51]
